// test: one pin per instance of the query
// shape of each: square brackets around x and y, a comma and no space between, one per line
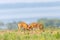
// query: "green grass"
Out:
[14,35]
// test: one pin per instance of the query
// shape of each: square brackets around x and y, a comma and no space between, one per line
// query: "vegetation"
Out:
[16,35]
[48,23]
[51,31]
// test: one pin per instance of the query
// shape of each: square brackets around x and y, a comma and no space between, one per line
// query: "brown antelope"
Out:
[36,26]
[22,25]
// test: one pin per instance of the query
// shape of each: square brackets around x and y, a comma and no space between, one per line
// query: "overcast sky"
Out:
[10,9]
[26,1]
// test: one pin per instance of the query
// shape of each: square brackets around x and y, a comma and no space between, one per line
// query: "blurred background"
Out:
[41,11]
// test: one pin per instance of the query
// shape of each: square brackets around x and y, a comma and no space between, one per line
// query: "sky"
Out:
[28,10]
[26,1]
[10,9]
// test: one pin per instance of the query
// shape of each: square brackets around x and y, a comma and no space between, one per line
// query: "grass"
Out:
[16,35]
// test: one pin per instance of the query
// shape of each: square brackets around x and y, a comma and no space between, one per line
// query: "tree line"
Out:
[48,23]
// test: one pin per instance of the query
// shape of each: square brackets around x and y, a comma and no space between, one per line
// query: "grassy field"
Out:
[32,35]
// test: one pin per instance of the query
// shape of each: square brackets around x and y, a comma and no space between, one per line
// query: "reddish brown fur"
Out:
[22,25]
[36,25]
[30,26]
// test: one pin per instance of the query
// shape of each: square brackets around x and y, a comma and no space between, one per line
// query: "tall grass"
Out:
[31,36]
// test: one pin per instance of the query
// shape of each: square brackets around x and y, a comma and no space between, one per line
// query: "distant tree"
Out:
[1,23]
[12,26]
[52,23]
